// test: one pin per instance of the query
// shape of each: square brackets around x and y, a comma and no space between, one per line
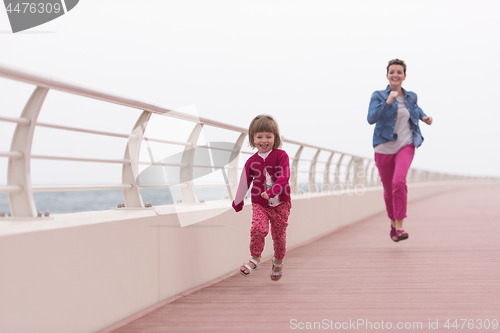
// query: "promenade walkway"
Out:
[356,277]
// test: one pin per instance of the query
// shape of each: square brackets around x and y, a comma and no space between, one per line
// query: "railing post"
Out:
[22,203]
[358,167]
[133,197]
[295,172]
[425,176]
[348,173]
[419,176]
[373,180]
[313,188]
[414,175]
[408,176]
[365,182]
[186,173]
[326,176]
[232,174]
[337,172]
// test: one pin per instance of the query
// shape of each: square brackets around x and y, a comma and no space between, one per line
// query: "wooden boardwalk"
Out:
[358,279]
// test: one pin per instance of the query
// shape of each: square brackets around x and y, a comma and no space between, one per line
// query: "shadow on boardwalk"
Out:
[448,269]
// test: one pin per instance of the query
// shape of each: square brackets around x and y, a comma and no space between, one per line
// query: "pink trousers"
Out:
[278,216]
[393,169]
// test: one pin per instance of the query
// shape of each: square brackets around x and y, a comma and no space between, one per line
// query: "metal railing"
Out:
[339,171]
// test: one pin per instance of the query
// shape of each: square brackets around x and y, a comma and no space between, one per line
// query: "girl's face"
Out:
[264,141]
[396,76]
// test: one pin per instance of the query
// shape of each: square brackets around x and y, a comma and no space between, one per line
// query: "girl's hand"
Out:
[264,195]
[392,95]
[427,120]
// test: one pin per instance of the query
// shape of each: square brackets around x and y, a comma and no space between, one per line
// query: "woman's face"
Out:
[396,75]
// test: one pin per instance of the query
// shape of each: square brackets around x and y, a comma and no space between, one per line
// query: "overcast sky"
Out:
[311,64]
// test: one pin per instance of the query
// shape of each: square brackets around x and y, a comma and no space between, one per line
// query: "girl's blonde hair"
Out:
[264,123]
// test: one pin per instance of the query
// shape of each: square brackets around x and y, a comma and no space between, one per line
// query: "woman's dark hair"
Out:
[397,62]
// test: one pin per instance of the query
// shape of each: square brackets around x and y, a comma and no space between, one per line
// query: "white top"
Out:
[402,129]
[273,202]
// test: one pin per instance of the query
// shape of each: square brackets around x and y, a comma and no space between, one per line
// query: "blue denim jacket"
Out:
[385,115]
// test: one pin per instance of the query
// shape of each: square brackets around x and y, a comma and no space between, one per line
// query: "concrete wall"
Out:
[83,272]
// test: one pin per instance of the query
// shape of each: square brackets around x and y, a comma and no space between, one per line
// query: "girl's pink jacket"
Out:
[277,165]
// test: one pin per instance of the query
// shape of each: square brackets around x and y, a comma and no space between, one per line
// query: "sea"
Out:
[65,202]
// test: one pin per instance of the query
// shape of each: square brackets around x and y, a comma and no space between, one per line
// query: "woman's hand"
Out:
[264,195]
[392,95]
[427,120]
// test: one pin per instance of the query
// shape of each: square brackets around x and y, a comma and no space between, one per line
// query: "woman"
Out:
[395,113]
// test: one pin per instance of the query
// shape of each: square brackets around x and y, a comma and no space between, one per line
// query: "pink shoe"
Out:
[401,234]
[393,235]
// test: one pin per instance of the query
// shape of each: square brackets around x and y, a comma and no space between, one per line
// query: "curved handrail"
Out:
[20,189]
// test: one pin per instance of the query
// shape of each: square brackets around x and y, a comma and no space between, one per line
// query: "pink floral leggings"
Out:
[278,216]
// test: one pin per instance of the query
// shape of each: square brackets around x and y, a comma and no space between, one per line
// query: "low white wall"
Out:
[83,272]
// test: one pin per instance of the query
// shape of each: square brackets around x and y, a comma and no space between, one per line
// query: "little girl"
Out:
[269,170]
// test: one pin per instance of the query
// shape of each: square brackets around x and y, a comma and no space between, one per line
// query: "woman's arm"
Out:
[421,114]
[377,107]
[427,120]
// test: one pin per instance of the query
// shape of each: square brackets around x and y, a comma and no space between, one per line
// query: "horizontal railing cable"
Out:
[80,188]
[81,159]
[21,121]
[11,154]
[82,130]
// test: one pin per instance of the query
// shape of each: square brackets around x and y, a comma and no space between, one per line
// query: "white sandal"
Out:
[273,273]
[250,269]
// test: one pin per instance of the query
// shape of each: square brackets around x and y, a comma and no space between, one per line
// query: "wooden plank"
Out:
[449,268]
